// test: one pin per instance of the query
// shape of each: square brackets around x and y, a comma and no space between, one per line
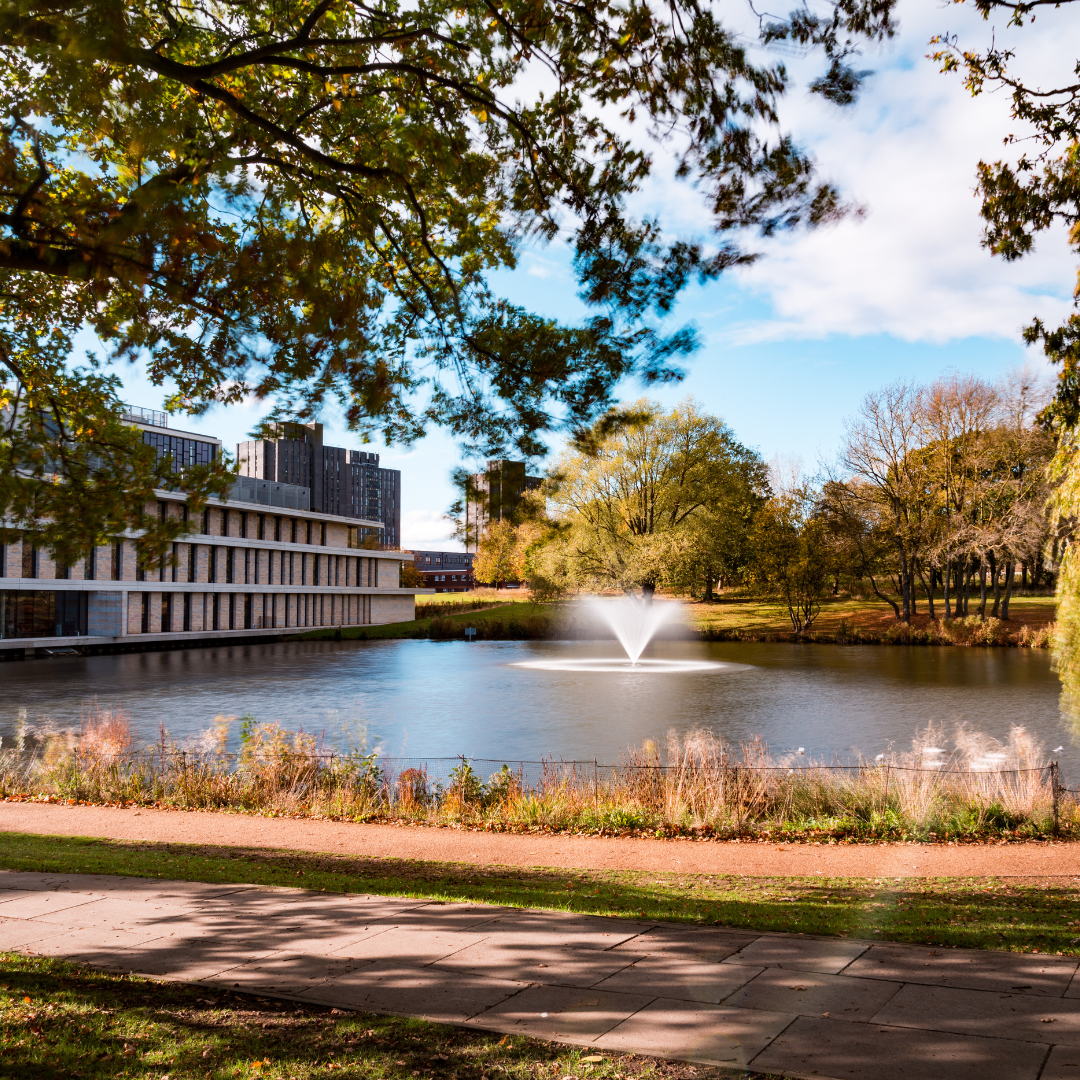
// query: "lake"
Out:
[425,698]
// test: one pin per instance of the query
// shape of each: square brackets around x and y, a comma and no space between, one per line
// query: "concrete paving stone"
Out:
[114,912]
[390,987]
[17,932]
[1062,1064]
[409,946]
[802,954]
[702,944]
[189,959]
[713,1034]
[1035,1017]
[555,1012]
[35,905]
[809,993]
[448,916]
[974,969]
[286,973]
[684,980]
[83,943]
[837,1049]
[535,963]
[573,932]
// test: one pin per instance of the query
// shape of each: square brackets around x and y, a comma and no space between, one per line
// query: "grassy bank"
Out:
[985,789]
[59,1020]
[844,621]
[974,913]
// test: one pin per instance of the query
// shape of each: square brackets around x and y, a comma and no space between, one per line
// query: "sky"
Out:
[792,344]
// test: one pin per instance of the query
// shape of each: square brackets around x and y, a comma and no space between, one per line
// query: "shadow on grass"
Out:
[971,912]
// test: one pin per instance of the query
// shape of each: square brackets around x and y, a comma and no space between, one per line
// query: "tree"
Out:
[411,578]
[303,203]
[500,555]
[663,495]
[791,552]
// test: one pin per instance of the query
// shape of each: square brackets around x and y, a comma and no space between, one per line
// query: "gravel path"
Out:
[587,852]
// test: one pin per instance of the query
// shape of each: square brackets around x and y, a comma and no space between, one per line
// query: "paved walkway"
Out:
[802,1006]
[584,852]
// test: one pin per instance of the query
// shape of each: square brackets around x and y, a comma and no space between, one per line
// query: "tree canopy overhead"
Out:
[304,199]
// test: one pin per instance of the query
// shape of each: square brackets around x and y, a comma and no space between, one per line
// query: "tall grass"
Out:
[700,785]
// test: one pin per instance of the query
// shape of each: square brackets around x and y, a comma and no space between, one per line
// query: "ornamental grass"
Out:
[969,787]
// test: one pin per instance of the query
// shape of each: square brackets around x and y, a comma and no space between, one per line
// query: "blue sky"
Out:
[792,344]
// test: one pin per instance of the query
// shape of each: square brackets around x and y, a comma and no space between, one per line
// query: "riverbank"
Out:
[843,621]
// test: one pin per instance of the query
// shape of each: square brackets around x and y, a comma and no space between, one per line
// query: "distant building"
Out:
[263,562]
[445,571]
[495,495]
[345,483]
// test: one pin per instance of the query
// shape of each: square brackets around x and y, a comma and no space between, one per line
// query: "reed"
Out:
[699,785]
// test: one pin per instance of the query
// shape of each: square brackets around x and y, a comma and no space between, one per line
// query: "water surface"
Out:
[446,698]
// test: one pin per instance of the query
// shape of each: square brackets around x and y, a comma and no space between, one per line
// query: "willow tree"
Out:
[634,507]
[303,201]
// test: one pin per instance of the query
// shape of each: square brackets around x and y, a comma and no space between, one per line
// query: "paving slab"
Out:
[974,969]
[810,993]
[1063,1063]
[409,946]
[1039,1018]
[389,987]
[838,1049]
[190,959]
[535,963]
[15,933]
[94,943]
[35,905]
[804,954]
[705,945]
[287,973]
[691,1031]
[114,912]
[683,980]
[573,932]
[556,1012]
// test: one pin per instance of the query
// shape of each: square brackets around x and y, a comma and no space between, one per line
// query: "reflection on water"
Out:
[444,698]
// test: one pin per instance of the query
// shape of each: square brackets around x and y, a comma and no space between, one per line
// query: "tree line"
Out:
[938,497]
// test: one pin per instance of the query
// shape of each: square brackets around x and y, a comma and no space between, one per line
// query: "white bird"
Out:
[1058,749]
[802,750]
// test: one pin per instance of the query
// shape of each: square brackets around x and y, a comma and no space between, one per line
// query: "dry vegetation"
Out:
[701,787]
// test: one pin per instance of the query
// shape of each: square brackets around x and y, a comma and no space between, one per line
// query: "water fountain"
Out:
[634,622]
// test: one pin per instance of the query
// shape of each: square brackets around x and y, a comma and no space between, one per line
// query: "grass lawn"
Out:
[976,913]
[761,616]
[513,618]
[60,1020]
[502,618]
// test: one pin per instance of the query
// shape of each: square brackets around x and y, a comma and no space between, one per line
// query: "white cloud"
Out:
[912,266]
[428,530]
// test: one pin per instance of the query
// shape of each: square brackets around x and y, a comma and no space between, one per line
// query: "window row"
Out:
[207,563]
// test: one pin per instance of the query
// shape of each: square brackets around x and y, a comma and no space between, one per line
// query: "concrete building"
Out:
[445,571]
[345,483]
[259,564]
[495,495]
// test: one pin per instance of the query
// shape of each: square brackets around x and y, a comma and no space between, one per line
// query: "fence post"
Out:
[886,804]
[1054,789]
[595,786]
[76,774]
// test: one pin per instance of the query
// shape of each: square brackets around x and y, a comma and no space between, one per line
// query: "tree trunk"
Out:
[648,589]
[996,576]
[982,588]
[961,577]
[1010,570]
[929,591]
[1023,575]
[905,586]
[946,614]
